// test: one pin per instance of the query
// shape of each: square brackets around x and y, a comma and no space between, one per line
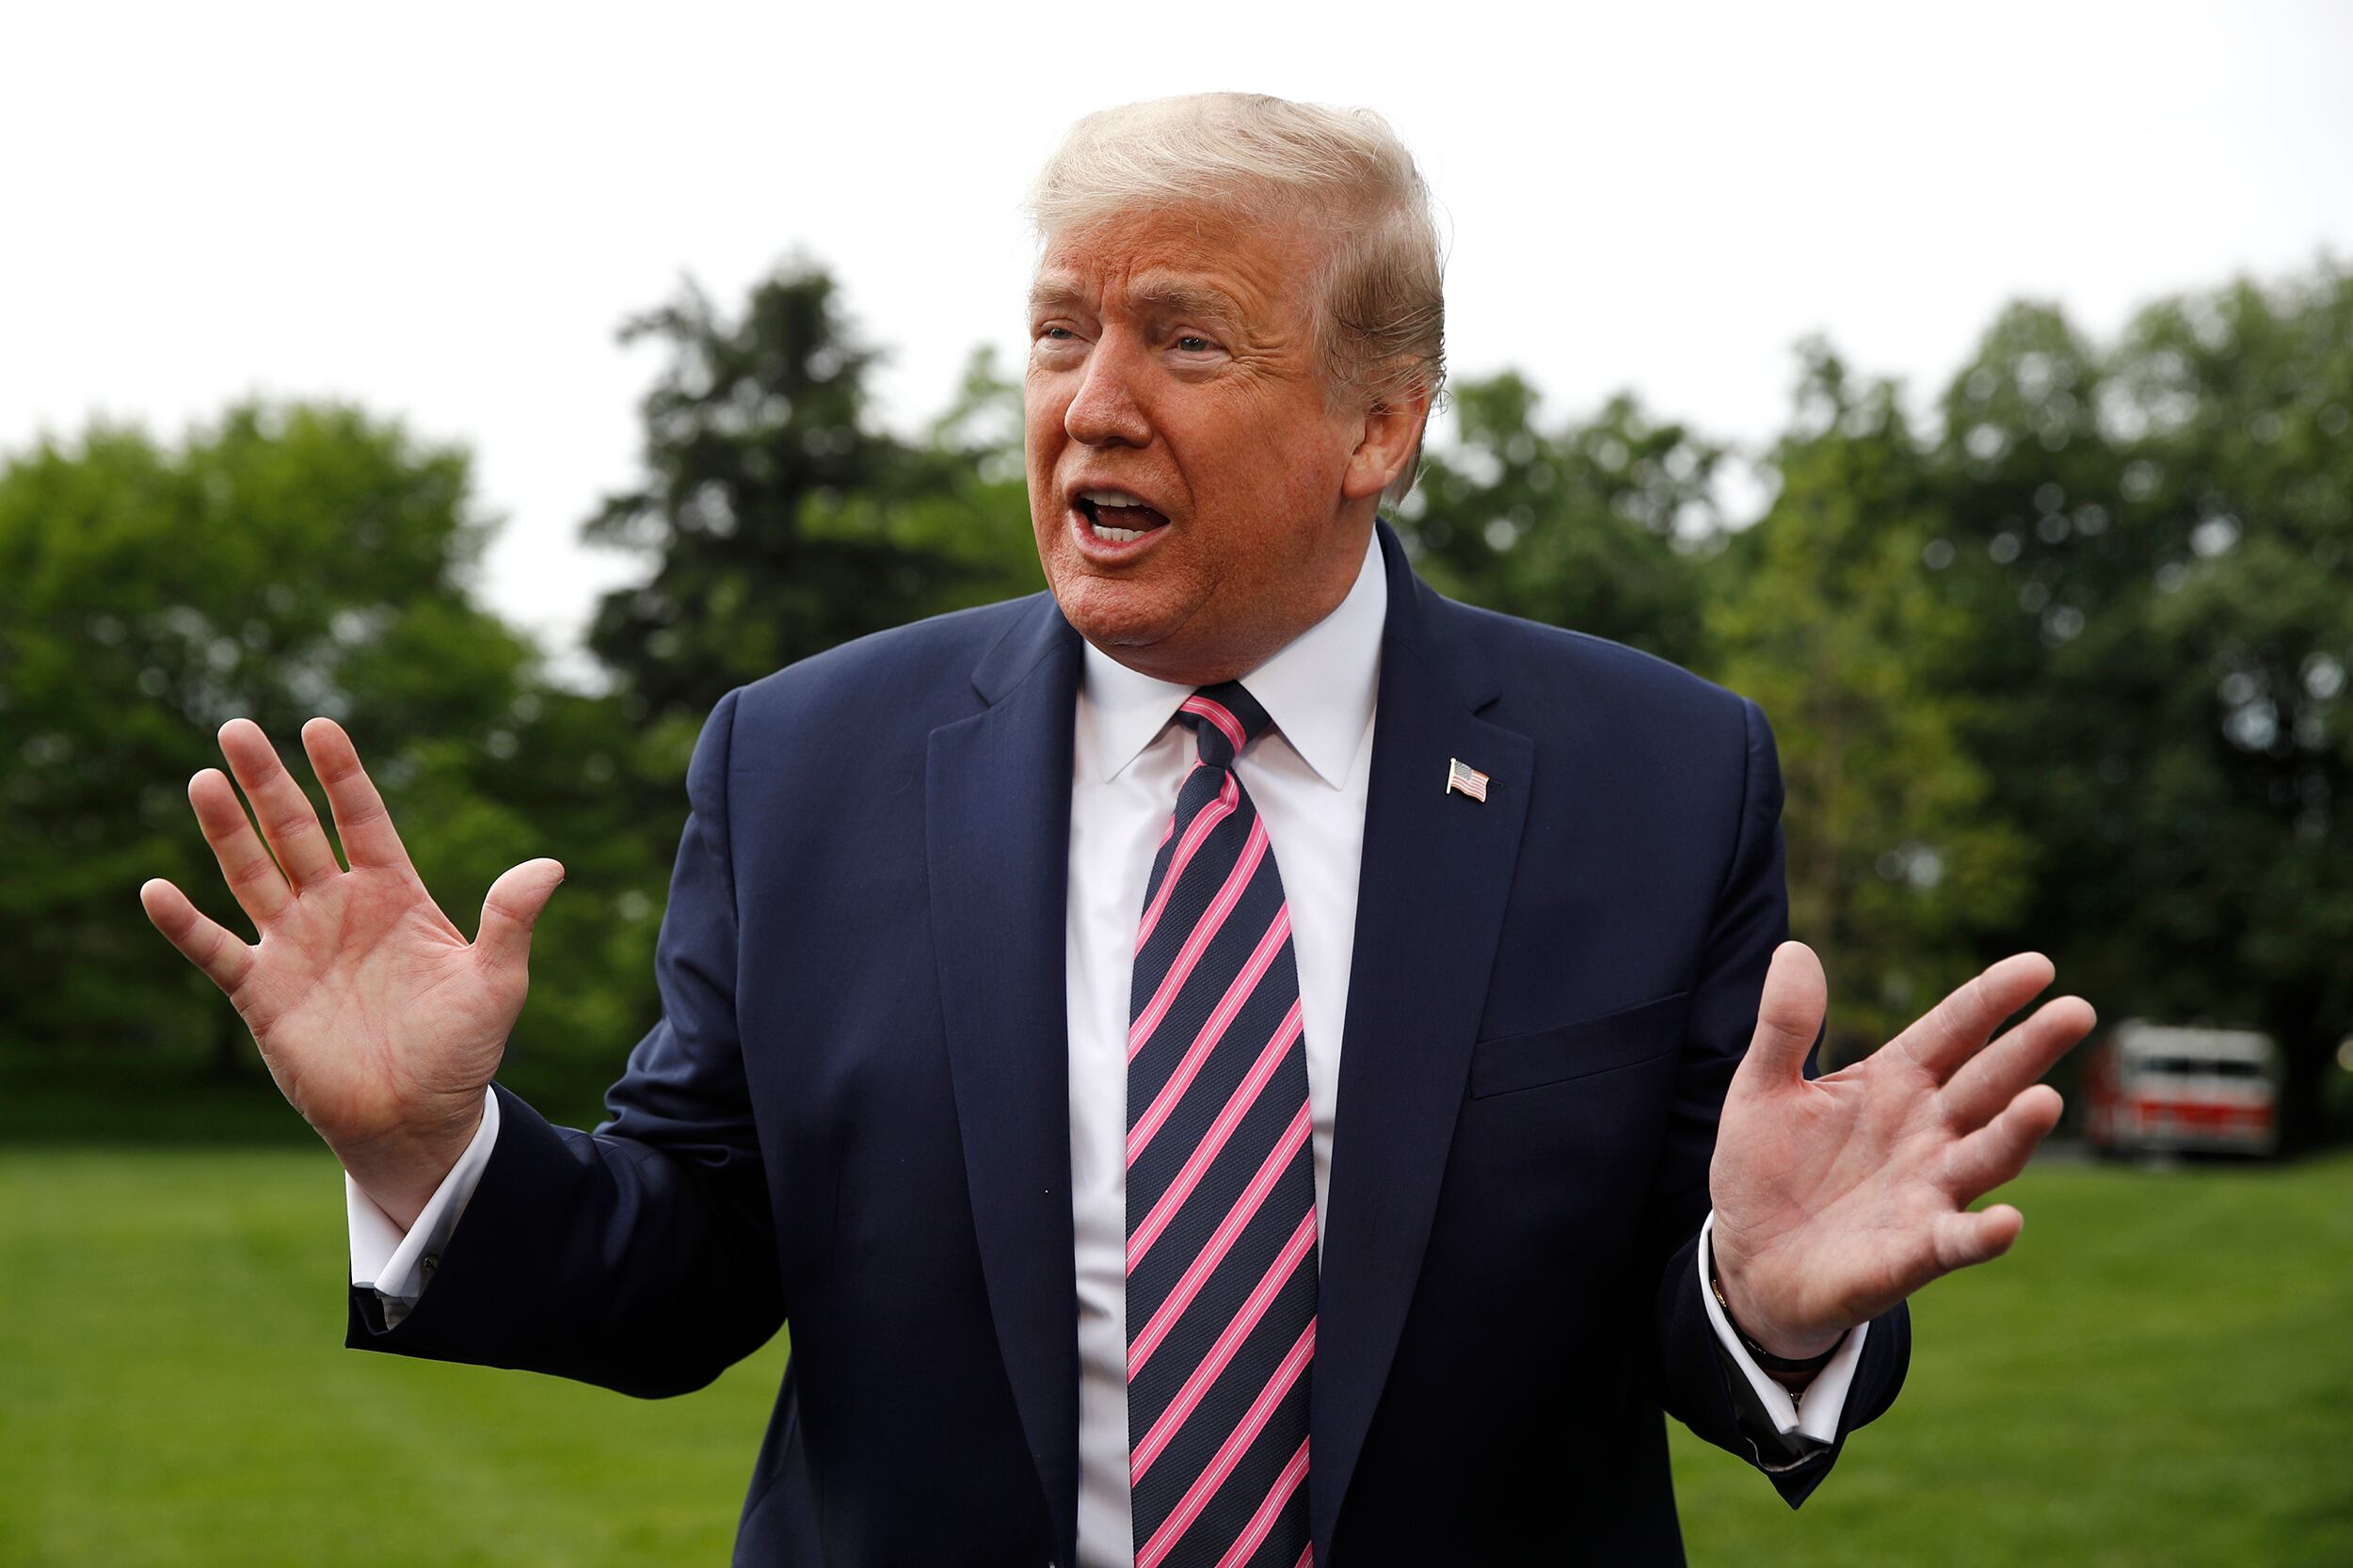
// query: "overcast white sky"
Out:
[443,211]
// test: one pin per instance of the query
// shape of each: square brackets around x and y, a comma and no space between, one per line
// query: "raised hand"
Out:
[1837,1197]
[379,1022]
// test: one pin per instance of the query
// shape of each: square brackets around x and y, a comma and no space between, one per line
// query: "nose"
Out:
[1104,411]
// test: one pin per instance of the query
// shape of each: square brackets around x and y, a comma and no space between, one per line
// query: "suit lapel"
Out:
[996,809]
[1438,867]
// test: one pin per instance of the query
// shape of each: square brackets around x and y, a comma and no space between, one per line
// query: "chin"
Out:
[1142,630]
[1111,614]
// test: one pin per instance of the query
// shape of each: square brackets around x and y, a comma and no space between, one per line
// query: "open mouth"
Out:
[1115,517]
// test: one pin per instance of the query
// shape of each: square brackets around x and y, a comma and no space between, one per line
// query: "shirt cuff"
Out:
[394,1264]
[1812,1416]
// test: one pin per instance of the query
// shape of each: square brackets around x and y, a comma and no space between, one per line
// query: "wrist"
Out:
[1773,1348]
[401,1169]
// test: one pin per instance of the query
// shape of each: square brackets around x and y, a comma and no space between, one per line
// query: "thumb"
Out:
[1788,1017]
[510,910]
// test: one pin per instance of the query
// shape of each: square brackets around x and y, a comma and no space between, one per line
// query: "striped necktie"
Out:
[1220,1182]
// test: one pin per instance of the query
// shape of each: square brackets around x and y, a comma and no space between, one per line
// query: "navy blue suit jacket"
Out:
[852,1114]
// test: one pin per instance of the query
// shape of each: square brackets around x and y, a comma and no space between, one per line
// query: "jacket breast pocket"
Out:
[1556,1055]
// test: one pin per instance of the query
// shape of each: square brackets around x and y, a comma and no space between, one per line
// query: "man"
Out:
[1237,1059]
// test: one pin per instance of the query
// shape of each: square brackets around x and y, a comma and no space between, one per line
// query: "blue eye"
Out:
[1194,345]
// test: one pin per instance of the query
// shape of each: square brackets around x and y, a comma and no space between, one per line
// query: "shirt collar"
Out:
[1318,688]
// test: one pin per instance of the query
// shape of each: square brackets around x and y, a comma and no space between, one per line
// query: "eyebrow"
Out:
[1053,296]
[1157,298]
[1163,298]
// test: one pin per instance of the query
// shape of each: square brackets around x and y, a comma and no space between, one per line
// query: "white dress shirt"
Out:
[1307,777]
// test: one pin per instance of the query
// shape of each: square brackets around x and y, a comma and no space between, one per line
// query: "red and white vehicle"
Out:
[2157,1089]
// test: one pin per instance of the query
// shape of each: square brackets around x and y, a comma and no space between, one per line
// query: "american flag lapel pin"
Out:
[1462,775]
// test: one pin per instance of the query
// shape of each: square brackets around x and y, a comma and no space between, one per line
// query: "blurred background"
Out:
[1974,389]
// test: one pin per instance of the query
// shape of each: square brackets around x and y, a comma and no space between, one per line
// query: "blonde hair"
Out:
[1382,321]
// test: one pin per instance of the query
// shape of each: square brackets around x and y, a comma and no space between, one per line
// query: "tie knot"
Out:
[1224,719]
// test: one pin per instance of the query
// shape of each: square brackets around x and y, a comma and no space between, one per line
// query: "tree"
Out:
[1825,613]
[1602,527]
[2158,538]
[782,520]
[291,560]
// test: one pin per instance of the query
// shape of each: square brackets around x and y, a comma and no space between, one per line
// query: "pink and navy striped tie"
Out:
[1220,1182]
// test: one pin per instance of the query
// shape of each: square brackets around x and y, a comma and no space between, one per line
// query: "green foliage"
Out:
[148,595]
[1603,526]
[290,561]
[2069,672]
[1898,874]
[779,518]
[302,560]
[2156,544]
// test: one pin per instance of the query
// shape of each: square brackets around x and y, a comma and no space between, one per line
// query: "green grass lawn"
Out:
[2161,1374]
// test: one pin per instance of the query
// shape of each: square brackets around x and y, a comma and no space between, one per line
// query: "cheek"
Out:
[1294,436]
[1292,477]
[1042,439]
[1041,420]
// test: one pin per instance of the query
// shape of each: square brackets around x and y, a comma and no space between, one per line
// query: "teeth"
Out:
[1117,536]
[1109,498]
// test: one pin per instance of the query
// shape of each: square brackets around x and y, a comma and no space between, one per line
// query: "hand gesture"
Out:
[379,1022]
[1837,1197]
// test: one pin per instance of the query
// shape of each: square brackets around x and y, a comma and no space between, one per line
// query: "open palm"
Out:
[379,1022]
[1836,1197]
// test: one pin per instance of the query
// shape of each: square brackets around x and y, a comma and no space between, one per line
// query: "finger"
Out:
[1957,1028]
[1992,1079]
[252,876]
[200,939]
[512,909]
[1967,1238]
[1788,1017]
[288,823]
[1999,1150]
[361,820]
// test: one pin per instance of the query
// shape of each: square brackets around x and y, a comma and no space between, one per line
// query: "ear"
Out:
[1391,435]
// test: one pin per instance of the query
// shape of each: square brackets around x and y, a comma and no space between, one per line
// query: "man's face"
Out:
[1190,479]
